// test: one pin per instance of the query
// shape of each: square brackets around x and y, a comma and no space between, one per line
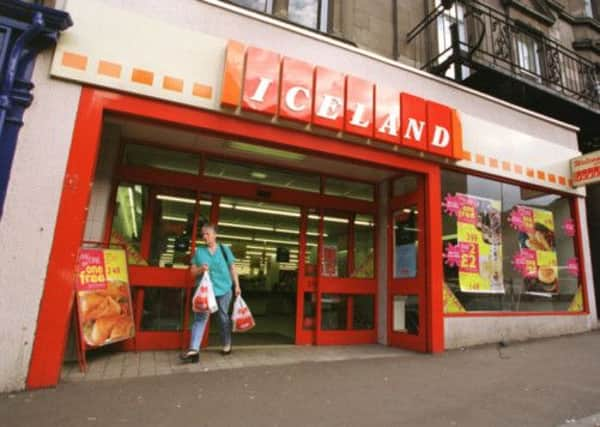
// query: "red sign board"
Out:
[329,99]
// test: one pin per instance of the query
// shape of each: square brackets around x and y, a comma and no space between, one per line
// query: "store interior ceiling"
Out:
[191,140]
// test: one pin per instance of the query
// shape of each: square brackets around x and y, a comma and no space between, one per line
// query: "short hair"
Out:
[209,225]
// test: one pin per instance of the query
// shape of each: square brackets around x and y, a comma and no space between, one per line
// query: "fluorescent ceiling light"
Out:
[364,223]
[266,151]
[174,218]
[330,219]
[175,199]
[268,211]
[132,211]
[258,175]
[248,226]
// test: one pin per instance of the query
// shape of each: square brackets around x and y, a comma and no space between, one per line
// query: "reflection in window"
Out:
[349,189]
[259,174]
[163,309]
[406,314]
[175,161]
[364,312]
[130,205]
[304,12]
[172,228]
[528,53]
[334,312]
[406,242]
[529,232]
[364,254]
[335,246]
[259,5]
[312,242]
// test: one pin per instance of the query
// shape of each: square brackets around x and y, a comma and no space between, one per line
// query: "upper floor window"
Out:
[308,13]
[528,54]
[588,9]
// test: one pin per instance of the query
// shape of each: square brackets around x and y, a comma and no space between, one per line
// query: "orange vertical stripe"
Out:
[506,166]
[480,159]
[562,180]
[74,60]
[552,177]
[466,155]
[519,169]
[541,175]
[231,92]
[109,69]
[530,173]
[142,76]
[493,162]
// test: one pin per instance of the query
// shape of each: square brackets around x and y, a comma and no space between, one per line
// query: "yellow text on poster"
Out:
[472,282]
[469,233]
[116,265]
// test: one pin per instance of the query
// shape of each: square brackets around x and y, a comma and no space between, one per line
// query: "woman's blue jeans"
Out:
[201,319]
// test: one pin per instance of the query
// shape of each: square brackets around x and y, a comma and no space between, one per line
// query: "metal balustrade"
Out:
[459,38]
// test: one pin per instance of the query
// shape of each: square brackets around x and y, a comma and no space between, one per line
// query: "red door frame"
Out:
[57,297]
[408,286]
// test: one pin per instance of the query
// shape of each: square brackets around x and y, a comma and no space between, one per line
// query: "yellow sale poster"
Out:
[103,296]
[478,251]
[537,259]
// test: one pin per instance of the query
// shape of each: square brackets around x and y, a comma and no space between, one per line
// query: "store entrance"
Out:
[264,238]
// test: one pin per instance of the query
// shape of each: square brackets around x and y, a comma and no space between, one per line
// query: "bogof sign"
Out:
[263,82]
[586,169]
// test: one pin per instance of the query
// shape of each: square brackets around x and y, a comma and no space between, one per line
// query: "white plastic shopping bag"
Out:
[242,317]
[204,297]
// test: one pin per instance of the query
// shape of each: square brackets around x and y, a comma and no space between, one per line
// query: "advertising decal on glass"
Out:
[568,227]
[405,237]
[536,260]
[330,268]
[103,296]
[478,251]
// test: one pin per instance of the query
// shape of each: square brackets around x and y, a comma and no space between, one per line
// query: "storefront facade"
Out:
[365,202]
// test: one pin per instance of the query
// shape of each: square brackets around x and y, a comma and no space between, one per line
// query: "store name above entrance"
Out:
[297,91]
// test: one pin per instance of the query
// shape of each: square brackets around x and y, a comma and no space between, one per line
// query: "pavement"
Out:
[549,382]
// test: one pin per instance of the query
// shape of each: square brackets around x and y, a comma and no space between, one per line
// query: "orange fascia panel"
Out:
[359,107]
[413,119]
[172,83]
[439,129]
[328,111]
[231,92]
[296,98]
[387,114]
[261,81]
[457,136]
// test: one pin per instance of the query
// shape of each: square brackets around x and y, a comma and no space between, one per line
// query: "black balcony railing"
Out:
[459,38]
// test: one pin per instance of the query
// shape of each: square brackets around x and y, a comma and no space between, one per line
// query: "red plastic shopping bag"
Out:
[242,317]
[204,298]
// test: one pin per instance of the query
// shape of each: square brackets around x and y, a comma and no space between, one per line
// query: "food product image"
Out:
[105,314]
[547,274]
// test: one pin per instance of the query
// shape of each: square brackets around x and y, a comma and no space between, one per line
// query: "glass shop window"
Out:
[172,227]
[174,161]
[259,174]
[130,207]
[507,248]
[364,247]
[349,189]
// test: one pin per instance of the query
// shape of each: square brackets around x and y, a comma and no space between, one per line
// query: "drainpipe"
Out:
[395,48]
[31,29]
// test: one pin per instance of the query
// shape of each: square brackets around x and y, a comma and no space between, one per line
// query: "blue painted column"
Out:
[25,30]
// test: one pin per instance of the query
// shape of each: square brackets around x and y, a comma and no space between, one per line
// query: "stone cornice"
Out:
[54,20]
[547,19]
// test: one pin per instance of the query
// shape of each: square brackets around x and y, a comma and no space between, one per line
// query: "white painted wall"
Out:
[27,226]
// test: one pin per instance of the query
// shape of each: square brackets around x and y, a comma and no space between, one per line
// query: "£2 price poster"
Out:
[103,296]
[478,251]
